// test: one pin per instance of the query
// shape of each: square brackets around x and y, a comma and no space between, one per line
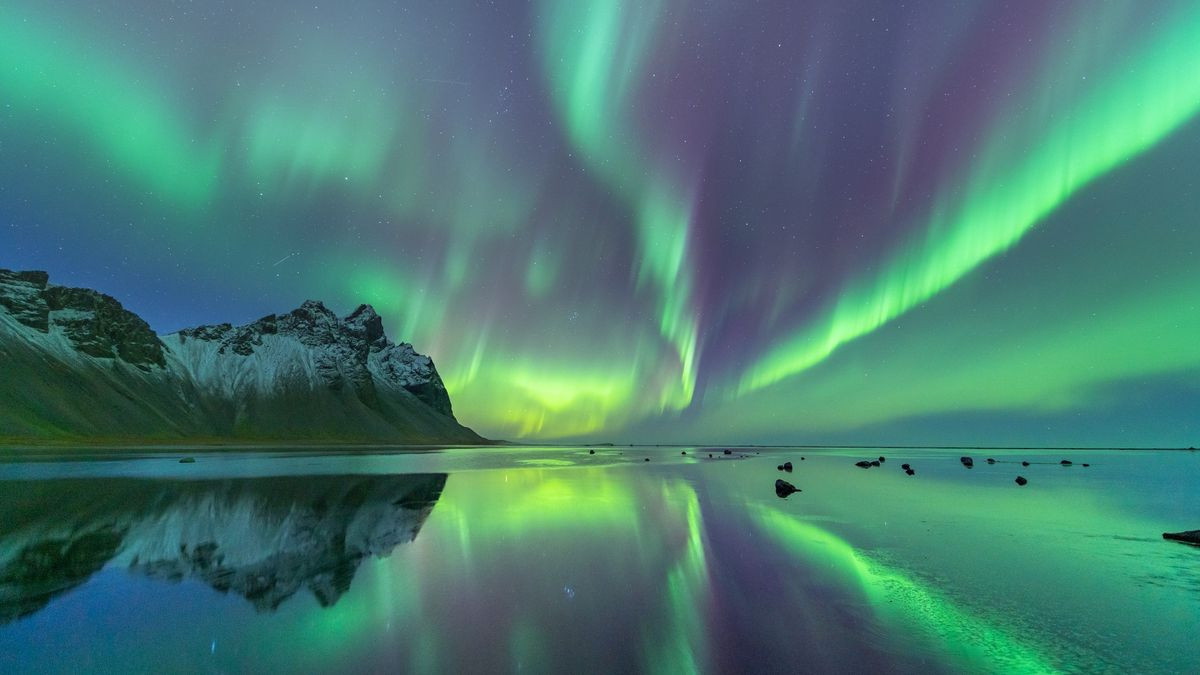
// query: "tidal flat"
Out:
[593,559]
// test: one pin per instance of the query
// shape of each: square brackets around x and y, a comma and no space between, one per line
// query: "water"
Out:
[557,560]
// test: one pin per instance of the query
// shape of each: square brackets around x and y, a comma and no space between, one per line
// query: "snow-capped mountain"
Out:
[75,363]
[264,539]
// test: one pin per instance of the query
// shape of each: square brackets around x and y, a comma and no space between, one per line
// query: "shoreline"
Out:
[14,449]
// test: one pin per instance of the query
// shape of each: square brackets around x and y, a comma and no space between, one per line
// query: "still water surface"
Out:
[556,560]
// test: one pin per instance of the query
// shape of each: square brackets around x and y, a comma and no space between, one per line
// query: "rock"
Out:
[874,462]
[1085,464]
[967,461]
[710,455]
[1189,537]
[801,459]
[787,466]
[882,459]
[1021,480]
[991,460]
[1065,462]
[905,467]
[910,472]
[187,460]
[864,464]
[784,488]
[683,452]
[591,452]
[729,452]
[1024,463]
[779,467]
[647,459]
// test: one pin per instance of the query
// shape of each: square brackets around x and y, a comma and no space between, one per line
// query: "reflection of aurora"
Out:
[585,527]
[542,560]
[902,600]
[646,536]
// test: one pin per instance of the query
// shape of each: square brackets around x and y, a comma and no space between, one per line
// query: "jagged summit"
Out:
[94,323]
[352,350]
[303,374]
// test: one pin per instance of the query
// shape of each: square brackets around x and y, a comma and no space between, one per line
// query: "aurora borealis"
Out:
[651,220]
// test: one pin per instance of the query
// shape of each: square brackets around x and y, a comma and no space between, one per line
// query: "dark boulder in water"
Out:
[1021,480]
[910,472]
[874,462]
[1189,537]
[905,467]
[1024,463]
[188,460]
[647,459]
[1065,462]
[683,452]
[991,460]
[882,459]
[779,467]
[591,452]
[864,464]
[784,488]
[801,459]
[729,452]
[1085,464]
[787,466]
[967,461]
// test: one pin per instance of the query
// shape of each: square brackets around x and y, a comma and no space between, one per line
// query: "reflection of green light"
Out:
[687,596]
[350,623]
[527,647]
[896,596]
[599,505]
[1010,188]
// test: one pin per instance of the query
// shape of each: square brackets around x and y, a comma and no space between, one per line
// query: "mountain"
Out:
[264,539]
[75,364]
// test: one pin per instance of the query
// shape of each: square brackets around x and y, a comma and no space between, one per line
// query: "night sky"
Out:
[650,220]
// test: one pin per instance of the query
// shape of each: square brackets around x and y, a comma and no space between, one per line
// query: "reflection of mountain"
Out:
[262,538]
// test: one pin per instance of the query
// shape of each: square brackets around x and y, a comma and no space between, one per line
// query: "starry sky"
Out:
[818,221]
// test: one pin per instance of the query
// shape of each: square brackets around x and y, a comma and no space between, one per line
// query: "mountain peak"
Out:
[305,373]
[364,322]
[313,307]
[352,351]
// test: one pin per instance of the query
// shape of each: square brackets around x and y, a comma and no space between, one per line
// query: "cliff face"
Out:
[95,324]
[75,363]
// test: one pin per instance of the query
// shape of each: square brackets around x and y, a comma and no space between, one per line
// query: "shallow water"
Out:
[557,560]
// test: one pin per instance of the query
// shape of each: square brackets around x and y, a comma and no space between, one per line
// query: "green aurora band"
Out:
[1010,189]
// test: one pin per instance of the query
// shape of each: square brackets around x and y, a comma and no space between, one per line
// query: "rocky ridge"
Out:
[74,363]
